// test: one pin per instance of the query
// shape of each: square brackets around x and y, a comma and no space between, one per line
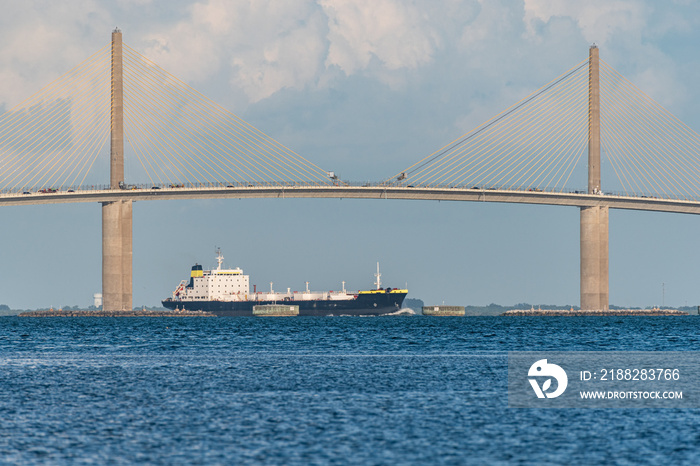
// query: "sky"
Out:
[364,88]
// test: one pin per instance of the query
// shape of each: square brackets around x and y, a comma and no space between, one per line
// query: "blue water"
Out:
[382,390]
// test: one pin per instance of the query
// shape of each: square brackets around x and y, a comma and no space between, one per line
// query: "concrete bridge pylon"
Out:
[117,217]
[594,219]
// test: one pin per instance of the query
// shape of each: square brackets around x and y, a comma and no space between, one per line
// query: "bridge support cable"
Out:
[13,119]
[156,144]
[182,132]
[508,164]
[52,138]
[168,100]
[651,151]
[56,139]
[538,144]
[63,148]
[534,145]
[542,152]
[630,148]
[158,129]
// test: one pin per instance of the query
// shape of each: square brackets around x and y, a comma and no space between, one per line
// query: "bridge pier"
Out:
[117,255]
[594,258]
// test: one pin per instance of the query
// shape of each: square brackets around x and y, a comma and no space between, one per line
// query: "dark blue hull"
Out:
[364,305]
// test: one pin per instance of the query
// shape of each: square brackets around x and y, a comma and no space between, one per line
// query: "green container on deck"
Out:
[275,310]
[443,310]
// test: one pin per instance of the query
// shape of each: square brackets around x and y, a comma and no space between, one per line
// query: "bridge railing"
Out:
[189,186]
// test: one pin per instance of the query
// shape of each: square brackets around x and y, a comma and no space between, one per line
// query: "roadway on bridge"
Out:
[367,191]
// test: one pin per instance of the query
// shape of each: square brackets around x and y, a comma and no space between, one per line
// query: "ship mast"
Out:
[379,278]
[219,258]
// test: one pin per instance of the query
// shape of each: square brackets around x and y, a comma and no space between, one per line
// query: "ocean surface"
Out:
[333,390]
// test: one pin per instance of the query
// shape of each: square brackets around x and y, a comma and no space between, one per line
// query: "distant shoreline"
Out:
[521,309]
[611,313]
[134,313]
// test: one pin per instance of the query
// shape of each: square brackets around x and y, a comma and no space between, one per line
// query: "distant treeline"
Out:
[490,310]
[496,309]
[5,310]
[415,304]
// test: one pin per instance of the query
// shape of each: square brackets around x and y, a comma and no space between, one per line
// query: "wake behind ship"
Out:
[226,292]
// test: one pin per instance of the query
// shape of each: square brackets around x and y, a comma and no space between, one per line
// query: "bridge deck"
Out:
[368,191]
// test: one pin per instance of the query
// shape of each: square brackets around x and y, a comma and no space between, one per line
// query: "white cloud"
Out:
[257,48]
[41,41]
[493,22]
[263,46]
[281,48]
[266,46]
[394,32]
[598,20]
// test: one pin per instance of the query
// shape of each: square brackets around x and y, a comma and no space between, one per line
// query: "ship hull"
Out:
[363,305]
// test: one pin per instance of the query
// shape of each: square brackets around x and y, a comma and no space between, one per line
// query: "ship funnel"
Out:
[197,272]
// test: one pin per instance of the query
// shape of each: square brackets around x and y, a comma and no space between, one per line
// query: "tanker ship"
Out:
[226,292]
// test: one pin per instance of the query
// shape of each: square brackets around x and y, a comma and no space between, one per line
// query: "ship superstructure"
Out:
[227,292]
[218,284]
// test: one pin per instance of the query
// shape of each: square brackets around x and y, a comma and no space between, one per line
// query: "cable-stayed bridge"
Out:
[168,141]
